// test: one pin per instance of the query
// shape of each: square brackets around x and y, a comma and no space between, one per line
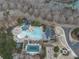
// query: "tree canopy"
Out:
[76,58]
[35,23]
[56,49]
[6,44]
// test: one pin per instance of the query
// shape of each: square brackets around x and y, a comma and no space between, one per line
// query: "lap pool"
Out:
[33,49]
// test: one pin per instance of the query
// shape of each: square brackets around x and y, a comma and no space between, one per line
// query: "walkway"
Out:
[74,47]
[49,52]
[62,38]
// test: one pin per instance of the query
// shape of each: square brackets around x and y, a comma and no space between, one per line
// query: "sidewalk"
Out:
[49,53]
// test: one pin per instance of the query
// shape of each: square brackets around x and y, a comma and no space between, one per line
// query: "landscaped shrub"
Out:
[20,21]
[75,30]
[35,23]
[76,58]
[56,49]
[75,33]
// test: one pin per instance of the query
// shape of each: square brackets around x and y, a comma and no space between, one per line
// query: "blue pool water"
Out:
[36,34]
[33,48]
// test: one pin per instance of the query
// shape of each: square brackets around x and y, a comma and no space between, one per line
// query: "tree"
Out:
[7,44]
[76,58]
[36,23]
[56,49]
[20,21]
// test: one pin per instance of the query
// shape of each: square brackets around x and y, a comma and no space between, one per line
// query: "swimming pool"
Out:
[33,49]
[36,34]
